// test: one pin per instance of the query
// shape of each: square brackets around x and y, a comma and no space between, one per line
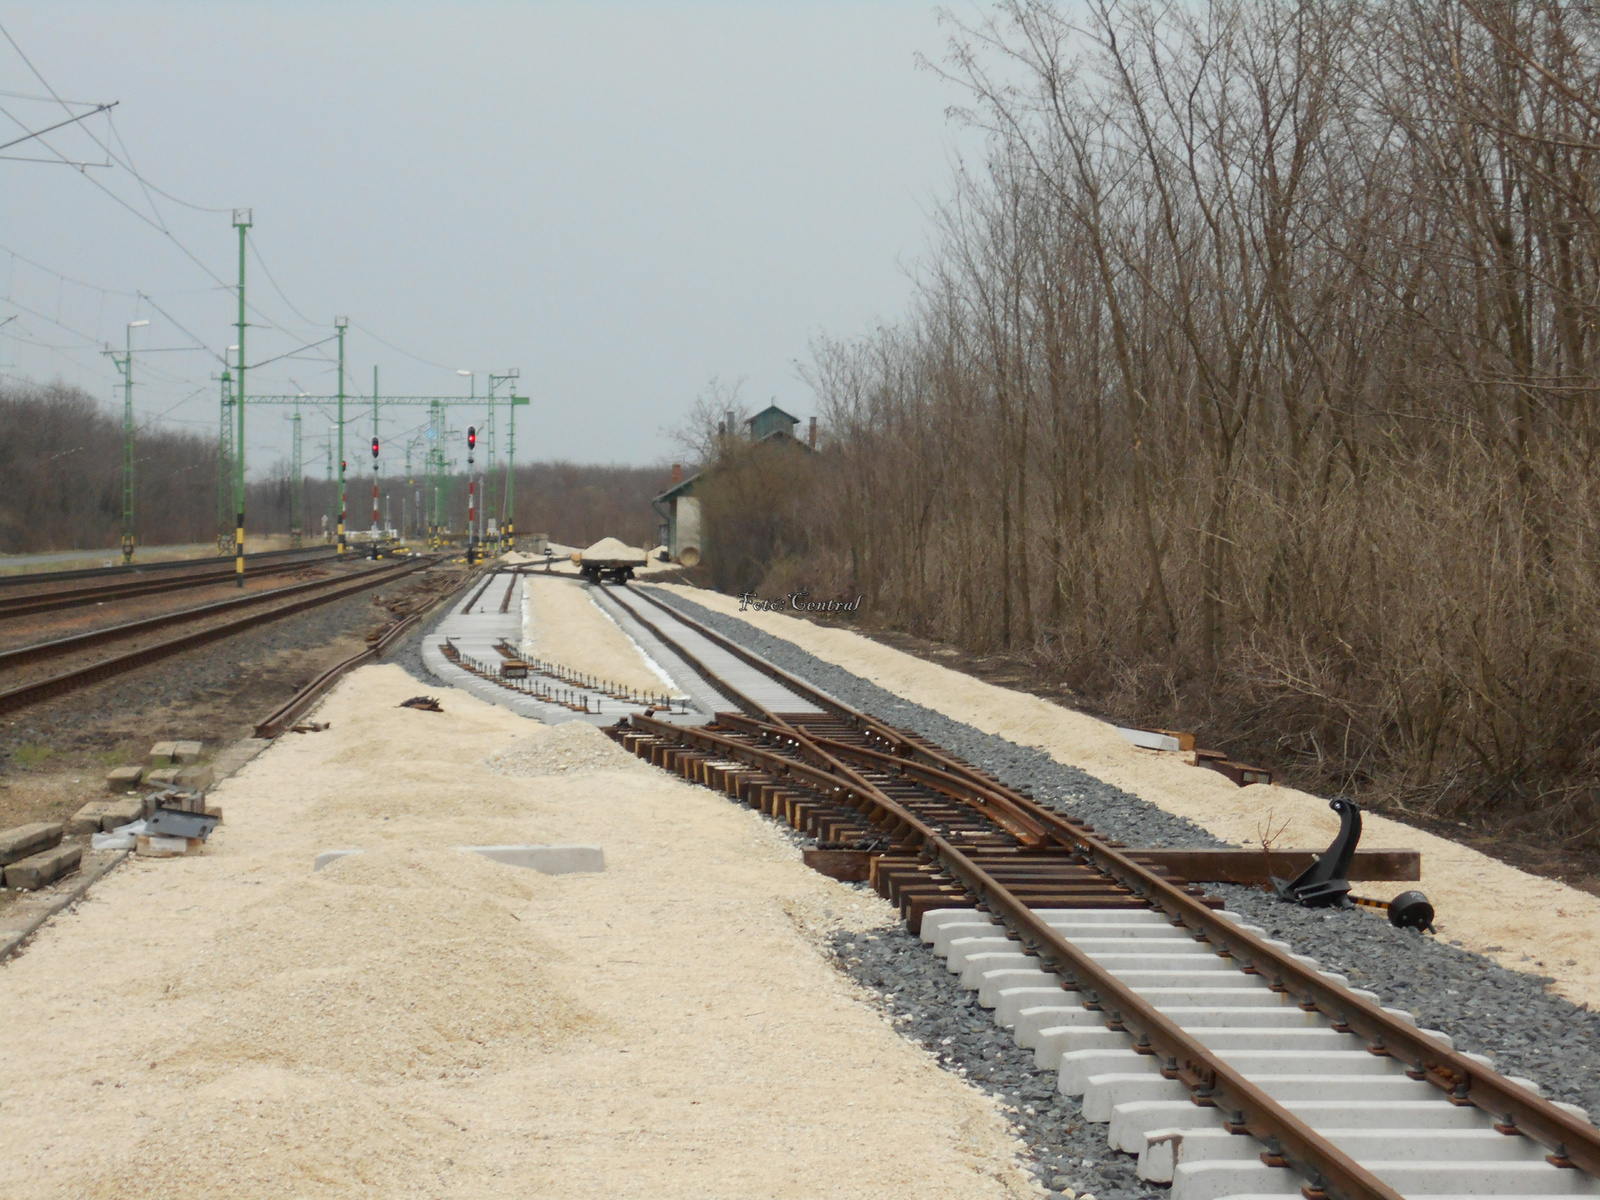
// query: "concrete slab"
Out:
[328,856]
[186,752]
[21,841]
[37,870]
[123,778]
[161,753]
[199,778]
[547,860]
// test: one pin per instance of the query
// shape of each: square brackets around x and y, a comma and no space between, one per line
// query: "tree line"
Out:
[61,454]
[1252,385]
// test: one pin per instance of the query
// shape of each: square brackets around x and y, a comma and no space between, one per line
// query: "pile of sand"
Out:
[415,1021]
[562,749]
[610,550]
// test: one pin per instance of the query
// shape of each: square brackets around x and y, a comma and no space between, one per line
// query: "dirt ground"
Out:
[419,1021]
[1486,905]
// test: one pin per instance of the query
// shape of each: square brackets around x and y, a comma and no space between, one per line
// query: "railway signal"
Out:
[472,442]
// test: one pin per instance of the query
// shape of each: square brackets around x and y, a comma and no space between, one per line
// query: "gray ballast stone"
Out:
[23,840]
[38,870]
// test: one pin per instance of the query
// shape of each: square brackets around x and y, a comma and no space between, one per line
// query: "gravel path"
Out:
[1486,1008]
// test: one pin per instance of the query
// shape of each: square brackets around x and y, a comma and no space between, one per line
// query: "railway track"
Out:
[283,718]
[238,614]
[1230,1065]
[126,587]
[33,578]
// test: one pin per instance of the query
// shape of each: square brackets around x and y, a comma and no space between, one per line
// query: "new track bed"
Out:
[1228,1064]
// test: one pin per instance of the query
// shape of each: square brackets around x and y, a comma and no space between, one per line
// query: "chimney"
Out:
[677,471]
[811,434]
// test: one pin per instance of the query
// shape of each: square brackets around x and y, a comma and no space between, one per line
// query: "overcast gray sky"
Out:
[621,200]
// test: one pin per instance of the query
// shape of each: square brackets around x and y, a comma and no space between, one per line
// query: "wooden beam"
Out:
[1254,866]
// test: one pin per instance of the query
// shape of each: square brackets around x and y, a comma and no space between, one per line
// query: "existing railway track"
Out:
[1232,1066]
[237,615]
[48,596]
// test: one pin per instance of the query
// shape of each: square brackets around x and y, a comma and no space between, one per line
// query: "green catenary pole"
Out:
[124,364]
[333,513]
[241,222]
[511,476]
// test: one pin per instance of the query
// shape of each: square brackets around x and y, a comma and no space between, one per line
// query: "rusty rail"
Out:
[32,693]
[285,715]
[57,647]
[1211,1080]
[34,603]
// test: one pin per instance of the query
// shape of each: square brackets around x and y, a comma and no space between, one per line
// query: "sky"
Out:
[620,201]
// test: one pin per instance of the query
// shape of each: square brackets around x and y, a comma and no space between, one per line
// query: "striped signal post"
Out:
[374,495]
[472,535]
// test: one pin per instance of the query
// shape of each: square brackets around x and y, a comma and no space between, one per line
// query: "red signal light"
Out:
[472,436]
[374,447]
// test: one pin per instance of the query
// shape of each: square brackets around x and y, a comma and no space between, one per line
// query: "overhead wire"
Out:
[267,271]
[158,222]
[415,357]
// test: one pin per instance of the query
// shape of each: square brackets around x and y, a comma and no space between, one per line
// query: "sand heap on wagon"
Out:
[610,559]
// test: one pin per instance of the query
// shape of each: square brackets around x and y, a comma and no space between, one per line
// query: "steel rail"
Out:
[284,716]
[174,564]
[1212,1079]
[31,693]
[1571,1142]
[38,602]
[722,686]
[478,595]
[56,647]
[1014,820]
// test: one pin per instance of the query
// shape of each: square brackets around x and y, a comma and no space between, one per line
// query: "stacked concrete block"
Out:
[123,778]
[198,778]
[23,840]
[175,754]
[32,855]
[105,815]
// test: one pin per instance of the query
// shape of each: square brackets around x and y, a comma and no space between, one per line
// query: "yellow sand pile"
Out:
[415,1021]
[613,552]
